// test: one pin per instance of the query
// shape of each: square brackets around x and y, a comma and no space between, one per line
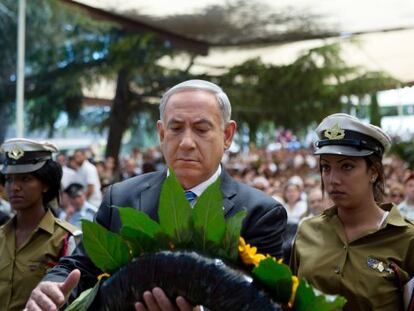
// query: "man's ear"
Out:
[229,132]
[161,131]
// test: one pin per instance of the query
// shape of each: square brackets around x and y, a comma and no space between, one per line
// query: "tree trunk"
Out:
[375,114]
[120,115]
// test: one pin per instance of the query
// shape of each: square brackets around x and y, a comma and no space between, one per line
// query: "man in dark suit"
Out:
[194,129]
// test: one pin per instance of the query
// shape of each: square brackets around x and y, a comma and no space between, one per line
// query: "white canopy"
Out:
[389,51]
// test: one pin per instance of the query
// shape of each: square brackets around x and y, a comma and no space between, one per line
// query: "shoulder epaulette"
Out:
[75,231]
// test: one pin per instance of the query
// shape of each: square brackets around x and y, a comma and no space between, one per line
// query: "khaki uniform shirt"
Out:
[360,270]
[22,269]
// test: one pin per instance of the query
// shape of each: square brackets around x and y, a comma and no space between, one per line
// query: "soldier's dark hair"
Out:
[51,175]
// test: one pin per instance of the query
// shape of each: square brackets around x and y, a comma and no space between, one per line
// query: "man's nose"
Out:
[187,141]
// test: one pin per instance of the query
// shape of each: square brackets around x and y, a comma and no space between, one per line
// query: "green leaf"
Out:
[106,249]
[141,243]
[277,277]
[232,235]
[85,299]
[208,218]
[307,300]
[174,211]
[139,221]
[137,241]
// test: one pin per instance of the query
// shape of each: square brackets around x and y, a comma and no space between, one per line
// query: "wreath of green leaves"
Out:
[202,229]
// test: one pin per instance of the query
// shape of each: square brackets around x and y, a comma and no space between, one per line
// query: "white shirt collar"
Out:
[199,189]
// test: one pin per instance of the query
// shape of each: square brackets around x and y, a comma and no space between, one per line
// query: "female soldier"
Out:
[358,249]
[33,240]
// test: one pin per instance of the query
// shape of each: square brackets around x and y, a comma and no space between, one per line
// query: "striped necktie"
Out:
[191,197]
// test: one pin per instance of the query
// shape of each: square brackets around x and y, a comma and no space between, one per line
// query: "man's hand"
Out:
[156,300]
[51,295]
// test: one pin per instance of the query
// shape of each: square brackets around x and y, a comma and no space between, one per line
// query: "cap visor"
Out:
[343,150]
[21,168]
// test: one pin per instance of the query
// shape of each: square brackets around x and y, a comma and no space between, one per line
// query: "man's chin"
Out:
[187,177]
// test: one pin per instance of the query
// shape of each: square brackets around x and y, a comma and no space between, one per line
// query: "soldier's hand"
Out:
[156,300]
[51,295]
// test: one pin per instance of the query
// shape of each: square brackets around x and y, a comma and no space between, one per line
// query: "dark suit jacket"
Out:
[263,225]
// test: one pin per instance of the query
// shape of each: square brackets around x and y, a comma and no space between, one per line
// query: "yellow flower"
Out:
[249,254]
[295,284]
[103,275]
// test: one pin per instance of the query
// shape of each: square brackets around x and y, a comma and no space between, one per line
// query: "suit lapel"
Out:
[150,195]
[228,189]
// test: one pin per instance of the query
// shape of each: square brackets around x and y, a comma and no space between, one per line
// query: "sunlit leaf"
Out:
[174,211]
[308,300]
[139,221]
[208,217]
[85,299]
[106,249]
[232,235]
[276,276]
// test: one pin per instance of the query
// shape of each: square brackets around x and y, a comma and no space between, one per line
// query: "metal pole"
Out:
[21,30]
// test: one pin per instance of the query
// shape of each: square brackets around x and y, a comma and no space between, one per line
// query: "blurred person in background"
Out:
[359,248]
[396,193]
[129,169]
[88,176]
[68,174]
[33,240]
[294,205]
[406,207]
[316,201]
[111,172]
[80,208]
[5,208]
[261,183]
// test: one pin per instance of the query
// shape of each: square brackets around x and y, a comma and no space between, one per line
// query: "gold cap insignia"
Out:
[335,132]
[16,152]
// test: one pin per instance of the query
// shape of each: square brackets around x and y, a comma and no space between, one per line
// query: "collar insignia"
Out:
[15,152]
[335,132]
[378,265]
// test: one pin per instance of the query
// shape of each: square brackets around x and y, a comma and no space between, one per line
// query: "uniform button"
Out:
[337,270]
[345,247]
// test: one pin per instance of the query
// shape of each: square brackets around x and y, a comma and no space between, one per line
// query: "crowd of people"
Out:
[308,201]
[290,176]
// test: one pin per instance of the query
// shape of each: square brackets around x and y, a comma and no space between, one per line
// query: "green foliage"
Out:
[308,300]
[106,249]
[232,235]
[276,277]
[139,231]
[208,218]
[85,299]
[175,211]
[298,94]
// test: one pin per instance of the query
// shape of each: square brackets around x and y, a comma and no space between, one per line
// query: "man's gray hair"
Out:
[223,100]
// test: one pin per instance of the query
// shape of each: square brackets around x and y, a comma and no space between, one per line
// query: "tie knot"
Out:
[190,196]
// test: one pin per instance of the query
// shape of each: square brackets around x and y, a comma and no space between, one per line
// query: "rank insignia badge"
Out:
[334,132]
[15,153]
[379,265]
